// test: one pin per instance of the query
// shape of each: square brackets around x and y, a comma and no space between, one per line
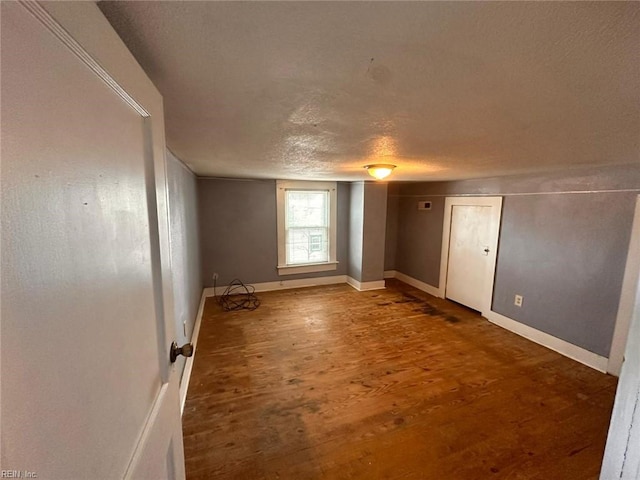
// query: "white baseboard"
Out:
[188,366]
[365,286]
[284,284]
[563,347]
[425,287]
[259,287]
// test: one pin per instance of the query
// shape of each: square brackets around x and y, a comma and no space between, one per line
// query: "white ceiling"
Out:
[444,90]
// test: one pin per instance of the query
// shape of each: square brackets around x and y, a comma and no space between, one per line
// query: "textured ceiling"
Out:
[444,90]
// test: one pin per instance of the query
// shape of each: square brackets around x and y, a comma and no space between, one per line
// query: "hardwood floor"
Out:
[331,383]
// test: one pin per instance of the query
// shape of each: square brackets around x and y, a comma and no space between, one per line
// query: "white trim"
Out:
[283,284]
[72,44]
[301,283]
[516,194]
[307,268]
[389,274]
[425,287]
[496,212]
[188,366]
[281,187]
[627,297]
[563,347]
[305,185]
[365,286]
[146,433]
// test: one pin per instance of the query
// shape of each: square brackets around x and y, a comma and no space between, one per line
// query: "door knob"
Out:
[185,350]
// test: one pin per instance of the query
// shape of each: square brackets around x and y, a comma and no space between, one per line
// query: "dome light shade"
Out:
[380,170]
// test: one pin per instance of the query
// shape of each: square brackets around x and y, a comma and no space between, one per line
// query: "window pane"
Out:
[307,245]
[306,226]
[307,209]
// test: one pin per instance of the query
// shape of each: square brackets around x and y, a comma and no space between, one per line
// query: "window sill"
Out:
[307,268]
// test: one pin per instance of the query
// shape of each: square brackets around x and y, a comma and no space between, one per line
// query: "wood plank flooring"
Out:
[331,383]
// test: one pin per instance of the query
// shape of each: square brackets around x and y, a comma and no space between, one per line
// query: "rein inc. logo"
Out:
[17,474]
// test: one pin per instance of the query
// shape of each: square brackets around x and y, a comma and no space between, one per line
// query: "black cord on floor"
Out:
[237,296]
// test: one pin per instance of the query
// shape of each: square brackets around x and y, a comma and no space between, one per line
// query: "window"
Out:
[306,226]
[316,243]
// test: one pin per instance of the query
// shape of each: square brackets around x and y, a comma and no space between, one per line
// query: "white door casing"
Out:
[469,250]
[88,391]
[627,297]
[621,455]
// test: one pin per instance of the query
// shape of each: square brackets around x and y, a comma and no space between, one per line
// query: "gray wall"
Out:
[566,255]
[238,231]
[374,229]
[391,229]
[185,249]
[367,228]
[620,177]
[563,251]
[419,238]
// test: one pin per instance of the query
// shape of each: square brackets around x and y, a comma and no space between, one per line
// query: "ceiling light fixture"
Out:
[380,170]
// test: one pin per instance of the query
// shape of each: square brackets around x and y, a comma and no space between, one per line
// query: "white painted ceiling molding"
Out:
[443,90]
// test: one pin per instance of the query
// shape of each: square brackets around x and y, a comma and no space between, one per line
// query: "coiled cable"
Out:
[237,296]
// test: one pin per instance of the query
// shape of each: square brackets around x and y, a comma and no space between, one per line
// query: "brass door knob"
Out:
[186,350]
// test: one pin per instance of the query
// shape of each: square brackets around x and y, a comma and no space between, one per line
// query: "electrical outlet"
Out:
[215,276]
[518,301]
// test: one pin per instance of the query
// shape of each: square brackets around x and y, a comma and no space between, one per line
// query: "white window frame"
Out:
[281,187]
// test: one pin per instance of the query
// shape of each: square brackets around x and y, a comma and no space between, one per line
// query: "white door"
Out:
[621,459]
[468,254]
[87,388]
[469,250]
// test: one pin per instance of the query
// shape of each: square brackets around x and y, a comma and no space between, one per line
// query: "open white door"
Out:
[621,456]
[87,387]
[469,247]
